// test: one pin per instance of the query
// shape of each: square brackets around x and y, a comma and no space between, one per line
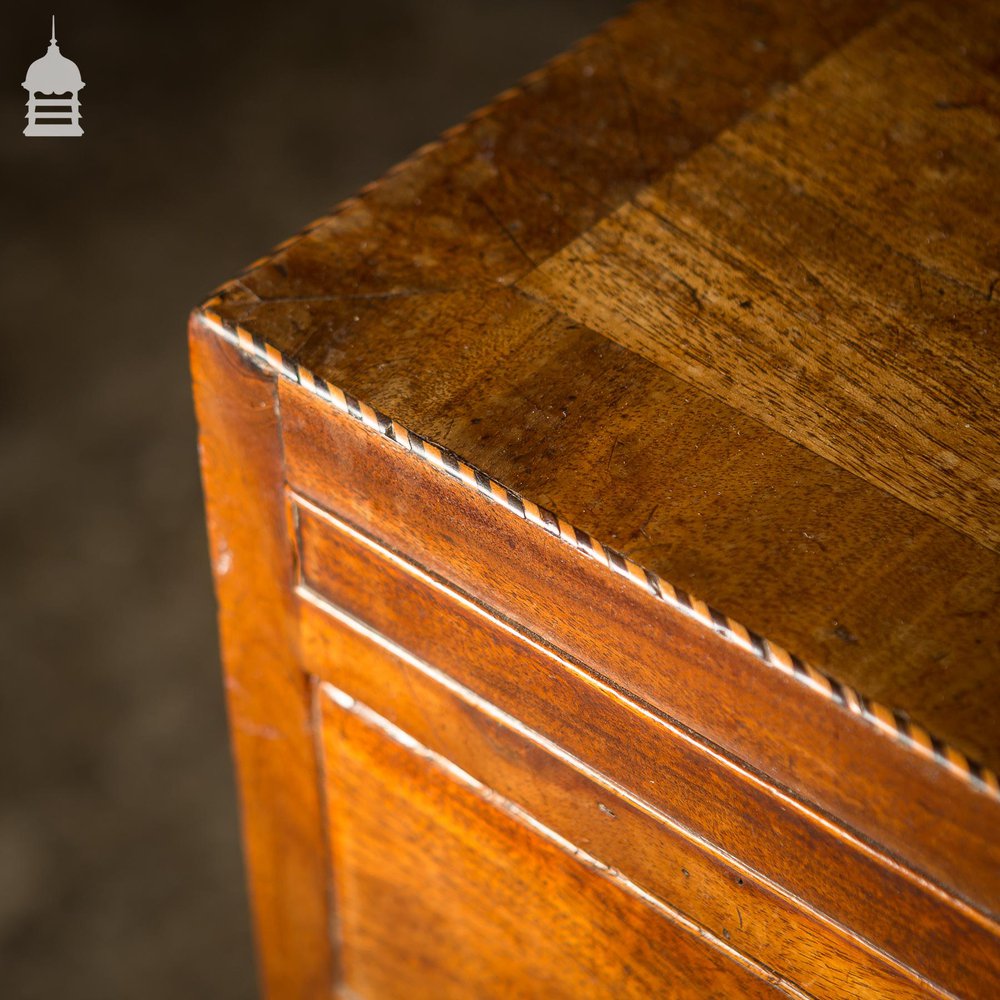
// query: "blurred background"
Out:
[212,133]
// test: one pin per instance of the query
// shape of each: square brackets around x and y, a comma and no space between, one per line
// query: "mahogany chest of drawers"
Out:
[603,511]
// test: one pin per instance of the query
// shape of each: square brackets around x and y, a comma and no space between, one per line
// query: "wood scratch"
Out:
[503,227]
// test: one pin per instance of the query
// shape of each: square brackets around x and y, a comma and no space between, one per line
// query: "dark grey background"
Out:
[211,133]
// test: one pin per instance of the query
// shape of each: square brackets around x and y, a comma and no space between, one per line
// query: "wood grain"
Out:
[541,164]
[491,908]
[419,297]
[412,654]
[802,738]
[701,316]
[849,309]
[267,693]
[727,899]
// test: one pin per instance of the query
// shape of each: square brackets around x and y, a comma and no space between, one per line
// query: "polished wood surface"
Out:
[603,513]
[848,309]
[527,730]
[456,911]
[658,295]
[268,695]
[795,733]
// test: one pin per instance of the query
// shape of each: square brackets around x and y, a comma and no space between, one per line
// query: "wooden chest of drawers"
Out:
[603,510]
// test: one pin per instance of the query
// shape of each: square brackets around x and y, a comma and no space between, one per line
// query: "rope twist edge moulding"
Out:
[892,722]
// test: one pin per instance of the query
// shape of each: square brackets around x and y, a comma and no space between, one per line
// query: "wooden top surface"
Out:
[719,287]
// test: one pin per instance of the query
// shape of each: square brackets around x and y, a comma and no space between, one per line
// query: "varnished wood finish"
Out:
[727,899]
[268,695]
[771,717]
[428,688]
[703,476]
[604,515]
[418,911]
[849,309]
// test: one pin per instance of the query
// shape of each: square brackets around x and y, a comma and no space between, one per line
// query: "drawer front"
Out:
[682,827]
[807,741]
[488,809]
[443,889]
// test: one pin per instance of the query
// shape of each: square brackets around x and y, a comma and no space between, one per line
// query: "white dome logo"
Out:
[53,84]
